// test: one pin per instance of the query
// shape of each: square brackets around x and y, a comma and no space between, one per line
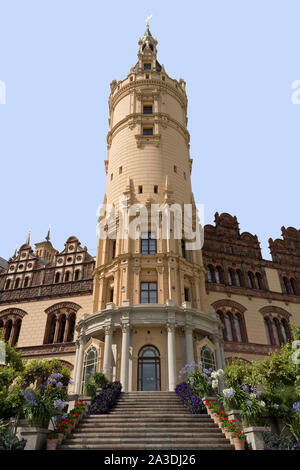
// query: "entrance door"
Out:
[149,369]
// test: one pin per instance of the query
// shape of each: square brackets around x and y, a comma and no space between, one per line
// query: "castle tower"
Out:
[149,290]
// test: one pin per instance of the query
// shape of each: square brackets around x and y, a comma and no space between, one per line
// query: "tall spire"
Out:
[48,234]
[28,238]
[15,253]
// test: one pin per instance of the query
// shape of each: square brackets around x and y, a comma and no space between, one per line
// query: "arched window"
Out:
[61,322]
[77,274]
[218,275]
[228,327]
[221,317]
[209,274]
[62,328]
[7,285]
[89,364]
[18,325]
[237,325]
[67,276]
[286,285]
[72,321]
[230,277]
[283,331]
[57,278]
[238,278]
[258,280]
[293,286]
[207,358]
[268,331]
[52,329]
[149,369]
[17,283]
[250,280]
[275,331]
[8,328]
[26,281]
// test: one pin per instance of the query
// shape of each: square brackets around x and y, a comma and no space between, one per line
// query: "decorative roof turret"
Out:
[147,52]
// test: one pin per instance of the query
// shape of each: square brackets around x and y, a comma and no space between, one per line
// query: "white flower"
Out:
[262,403]
[220,372]
[214,374]
[252,396]
[296,344]
[214,384]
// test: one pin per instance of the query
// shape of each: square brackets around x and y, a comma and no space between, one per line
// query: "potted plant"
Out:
[238,439]
[52,440]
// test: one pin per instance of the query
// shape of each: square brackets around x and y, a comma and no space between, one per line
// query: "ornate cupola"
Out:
[147,53]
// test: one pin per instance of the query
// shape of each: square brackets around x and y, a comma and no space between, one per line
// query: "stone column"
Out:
[189,345]
[107,357]
[78,364]
[171,357]
[125,357]
[219,360]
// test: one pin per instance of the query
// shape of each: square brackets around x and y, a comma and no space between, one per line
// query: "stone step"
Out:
[147,421]
[150,417]
[153,439]
[145,434]
[146,446]
[146,429]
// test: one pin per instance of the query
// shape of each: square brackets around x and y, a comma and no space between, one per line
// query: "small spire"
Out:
[15,253]
[28,238]
[48,234]
[148,26]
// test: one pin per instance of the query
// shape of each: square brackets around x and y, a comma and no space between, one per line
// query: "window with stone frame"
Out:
[60,325]
[148,292]
[148,243]
[90,364]
[234,327]
[207,358]
[10,324]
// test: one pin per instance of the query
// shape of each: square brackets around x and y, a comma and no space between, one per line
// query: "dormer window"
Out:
[147,66]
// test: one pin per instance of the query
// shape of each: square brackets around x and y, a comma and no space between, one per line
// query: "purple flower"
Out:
[249,402]
[296,406]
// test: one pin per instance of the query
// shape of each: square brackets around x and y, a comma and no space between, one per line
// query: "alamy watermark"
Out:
[2,92]
[164,221]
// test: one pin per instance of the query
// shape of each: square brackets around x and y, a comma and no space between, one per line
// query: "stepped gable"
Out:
[286,250]
[225,237]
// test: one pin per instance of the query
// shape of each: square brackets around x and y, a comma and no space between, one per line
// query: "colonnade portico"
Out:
[118,327]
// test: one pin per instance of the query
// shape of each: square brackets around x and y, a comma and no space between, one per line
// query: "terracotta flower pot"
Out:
[239,444]
[51,444]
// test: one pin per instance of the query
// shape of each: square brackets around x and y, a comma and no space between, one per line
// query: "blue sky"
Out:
[57,59]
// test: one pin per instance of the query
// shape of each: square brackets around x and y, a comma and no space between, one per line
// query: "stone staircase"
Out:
[147,420]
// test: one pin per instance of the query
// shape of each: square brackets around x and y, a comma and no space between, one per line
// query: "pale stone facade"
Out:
[144,308]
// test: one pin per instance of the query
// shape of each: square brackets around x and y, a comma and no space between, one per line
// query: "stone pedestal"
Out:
[254,436]
[36,437]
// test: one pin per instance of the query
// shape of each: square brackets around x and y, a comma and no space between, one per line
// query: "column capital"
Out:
[125,327]
[108,329]
[170,327]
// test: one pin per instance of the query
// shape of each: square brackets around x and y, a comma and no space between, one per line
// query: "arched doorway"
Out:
[149,369]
